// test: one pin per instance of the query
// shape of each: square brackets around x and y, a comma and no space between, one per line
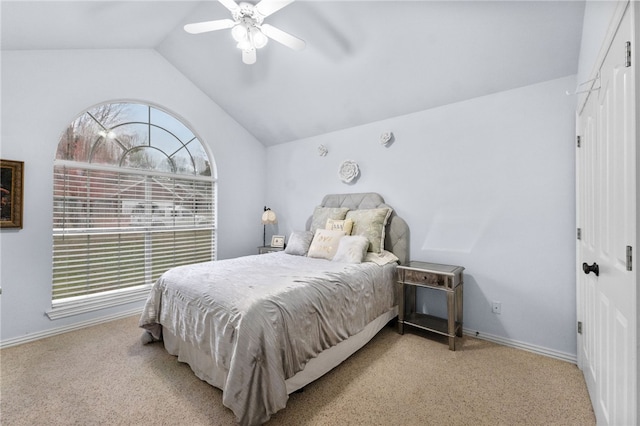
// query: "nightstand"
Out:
[434,277]
[268,249]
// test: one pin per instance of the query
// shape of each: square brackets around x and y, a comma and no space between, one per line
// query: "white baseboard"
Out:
[563,356]
[54,331]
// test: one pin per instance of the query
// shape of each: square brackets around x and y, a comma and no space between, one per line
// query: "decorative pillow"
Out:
[340,225]
[351,249]
[322,214]
[299,242]
[325,243]
[381,258]
[370,223]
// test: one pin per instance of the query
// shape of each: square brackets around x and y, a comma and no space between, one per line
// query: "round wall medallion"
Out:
[385,138]
[348,171]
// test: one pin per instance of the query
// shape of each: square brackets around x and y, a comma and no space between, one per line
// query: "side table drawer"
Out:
[445,277]
[423,277]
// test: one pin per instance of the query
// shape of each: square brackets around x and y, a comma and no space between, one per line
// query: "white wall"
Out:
[486,183]
[42,92]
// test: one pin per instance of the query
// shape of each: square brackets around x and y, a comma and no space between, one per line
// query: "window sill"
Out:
[83,304]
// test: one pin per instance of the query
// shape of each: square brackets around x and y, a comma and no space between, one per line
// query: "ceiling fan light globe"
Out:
[259,39]
[239,33]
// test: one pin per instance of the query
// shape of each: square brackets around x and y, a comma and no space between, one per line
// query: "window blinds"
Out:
[116,228]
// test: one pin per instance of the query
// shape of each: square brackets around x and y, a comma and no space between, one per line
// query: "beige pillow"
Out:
[351,249]
[340,225]
[322,214]
[325,243]
[370,223]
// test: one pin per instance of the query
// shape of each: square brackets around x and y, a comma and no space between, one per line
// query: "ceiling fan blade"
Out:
[230,4]
[268,7]
[203,27]
[281,37]
[249,56]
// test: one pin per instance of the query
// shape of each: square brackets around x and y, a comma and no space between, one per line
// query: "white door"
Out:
[606,212]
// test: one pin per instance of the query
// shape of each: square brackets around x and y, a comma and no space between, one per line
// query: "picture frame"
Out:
[11,193]
[277,241]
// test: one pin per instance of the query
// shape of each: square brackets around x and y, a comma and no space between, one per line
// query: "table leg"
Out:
[401,308]
[451,319]
[459,310]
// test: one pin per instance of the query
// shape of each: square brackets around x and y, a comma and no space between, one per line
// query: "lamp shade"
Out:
[269,217]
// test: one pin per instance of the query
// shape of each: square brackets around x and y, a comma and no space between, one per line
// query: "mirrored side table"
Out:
[434,277]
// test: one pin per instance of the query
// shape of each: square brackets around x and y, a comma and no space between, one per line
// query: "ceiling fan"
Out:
[248,28]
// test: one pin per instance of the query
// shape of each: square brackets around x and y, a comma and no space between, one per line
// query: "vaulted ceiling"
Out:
[364,61]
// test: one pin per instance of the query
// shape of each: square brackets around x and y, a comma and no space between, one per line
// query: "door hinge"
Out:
[629,258]
[579,327]
[578,141]
[627,62]
[579,233]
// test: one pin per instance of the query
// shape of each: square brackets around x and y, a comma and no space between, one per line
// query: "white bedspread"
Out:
[261,318]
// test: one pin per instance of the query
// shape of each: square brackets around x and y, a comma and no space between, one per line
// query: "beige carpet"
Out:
[103,375]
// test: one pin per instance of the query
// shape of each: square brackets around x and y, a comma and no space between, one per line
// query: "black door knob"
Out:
[591,268]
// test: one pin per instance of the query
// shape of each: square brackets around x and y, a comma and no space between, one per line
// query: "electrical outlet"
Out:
[496,307]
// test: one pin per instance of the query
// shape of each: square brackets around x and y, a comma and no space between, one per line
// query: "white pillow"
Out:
[351,249]
[325,243]
[299,242]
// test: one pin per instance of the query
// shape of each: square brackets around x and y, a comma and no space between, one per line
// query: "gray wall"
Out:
[42,92]
[486,183]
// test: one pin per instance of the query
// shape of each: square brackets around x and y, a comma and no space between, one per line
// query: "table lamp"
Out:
[268,218]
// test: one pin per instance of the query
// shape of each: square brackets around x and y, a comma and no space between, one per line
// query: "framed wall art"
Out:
[11,193]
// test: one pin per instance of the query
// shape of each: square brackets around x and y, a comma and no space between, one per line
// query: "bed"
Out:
[261,327]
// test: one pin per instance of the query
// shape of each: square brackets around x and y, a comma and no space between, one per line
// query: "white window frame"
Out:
[74,305]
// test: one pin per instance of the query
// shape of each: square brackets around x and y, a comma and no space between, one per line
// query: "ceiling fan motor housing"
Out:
[247,12]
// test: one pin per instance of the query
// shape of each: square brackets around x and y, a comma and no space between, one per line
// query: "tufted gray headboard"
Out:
[396,238]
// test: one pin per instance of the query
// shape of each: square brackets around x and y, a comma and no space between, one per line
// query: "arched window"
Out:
[133,195]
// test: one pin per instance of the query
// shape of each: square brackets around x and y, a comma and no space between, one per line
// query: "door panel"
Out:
[606,200]
[587,193]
